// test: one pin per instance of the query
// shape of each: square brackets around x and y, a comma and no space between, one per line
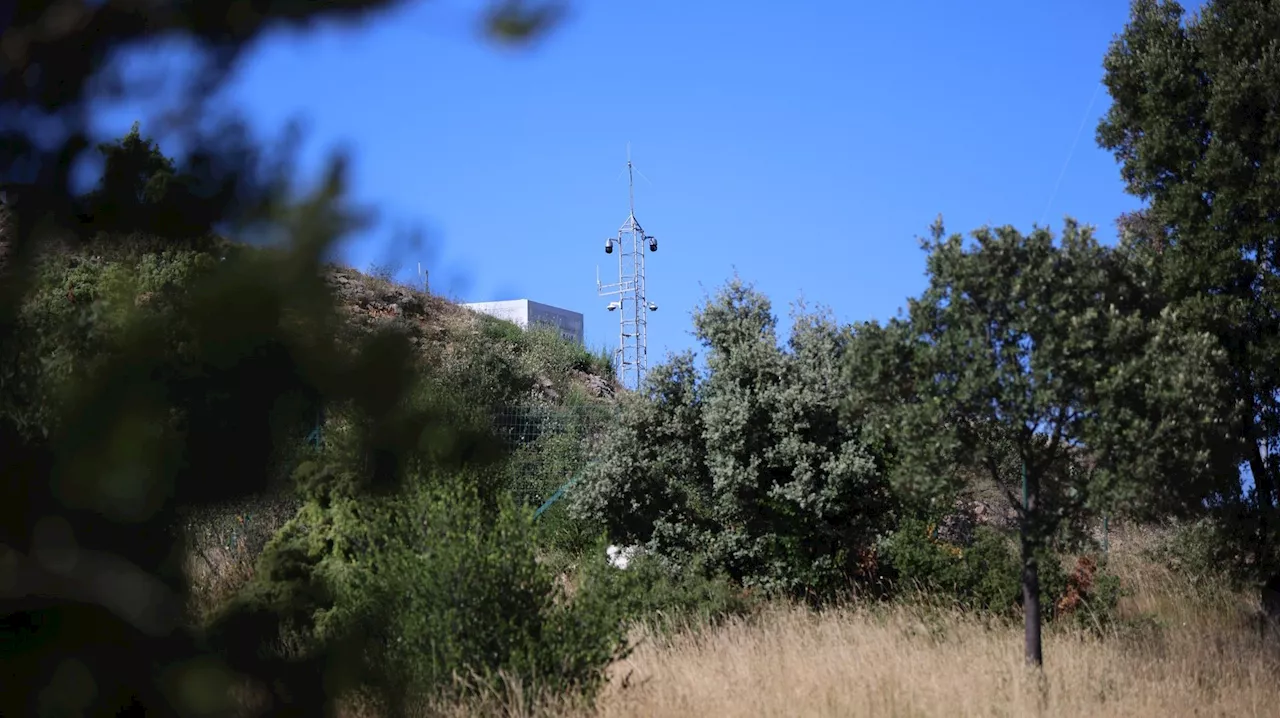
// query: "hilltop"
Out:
[538,365]
[438,324]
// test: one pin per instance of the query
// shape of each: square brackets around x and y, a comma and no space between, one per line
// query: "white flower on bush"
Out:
[620,556]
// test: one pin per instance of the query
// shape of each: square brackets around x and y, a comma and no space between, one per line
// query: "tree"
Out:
[1026,356]
[136,178]
[142,191]
[748,463]
[1195,125]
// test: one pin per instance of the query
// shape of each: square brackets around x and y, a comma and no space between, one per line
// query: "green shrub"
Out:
[501,364]
[747,464]
[72,317]
[695,595]
[1100,610]
[986,575]
[1194,550]
[485,366]
[443,591]
[563,535]
[602,362]
[1219,550]
[500,331]
[550,354]
[534,354]
[664,596]
[983,576]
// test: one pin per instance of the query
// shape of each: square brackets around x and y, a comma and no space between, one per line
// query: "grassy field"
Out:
[851,663]
[1180,651]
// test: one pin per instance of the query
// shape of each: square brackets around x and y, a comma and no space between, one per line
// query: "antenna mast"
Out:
[632,303]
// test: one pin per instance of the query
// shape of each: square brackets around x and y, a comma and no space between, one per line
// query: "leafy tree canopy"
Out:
[1195,125]
[1026,354]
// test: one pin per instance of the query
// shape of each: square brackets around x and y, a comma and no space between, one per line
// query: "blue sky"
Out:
[805,145]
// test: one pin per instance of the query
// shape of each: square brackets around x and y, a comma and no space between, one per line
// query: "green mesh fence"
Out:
[551,445]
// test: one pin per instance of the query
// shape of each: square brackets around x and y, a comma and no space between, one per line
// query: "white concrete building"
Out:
[526,312]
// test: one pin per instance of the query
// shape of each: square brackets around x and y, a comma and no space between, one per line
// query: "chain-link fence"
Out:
[550,445]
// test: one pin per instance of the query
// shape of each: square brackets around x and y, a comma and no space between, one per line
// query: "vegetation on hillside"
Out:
[243,480]
[747,466]
[308,556]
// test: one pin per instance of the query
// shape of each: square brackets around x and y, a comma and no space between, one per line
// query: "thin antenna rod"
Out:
[1067,163]
[631,182]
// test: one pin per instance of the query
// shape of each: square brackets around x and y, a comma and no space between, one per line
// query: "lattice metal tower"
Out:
[632,303]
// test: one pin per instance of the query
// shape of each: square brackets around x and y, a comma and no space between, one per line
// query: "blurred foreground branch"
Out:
[120,406]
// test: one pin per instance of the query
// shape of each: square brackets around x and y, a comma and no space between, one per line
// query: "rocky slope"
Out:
[435,323]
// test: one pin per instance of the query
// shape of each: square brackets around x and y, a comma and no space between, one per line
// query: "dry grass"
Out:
[1198,655]
[223,544]
[855,663]
[216,575]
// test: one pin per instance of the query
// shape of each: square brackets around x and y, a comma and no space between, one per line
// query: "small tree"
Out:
[748,463]
[142,190]
[1037,357]
[136,178]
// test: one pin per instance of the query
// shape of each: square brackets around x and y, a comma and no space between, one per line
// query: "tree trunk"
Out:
[1262,483]
[1031,572]
[1264,491]
[1263,486]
